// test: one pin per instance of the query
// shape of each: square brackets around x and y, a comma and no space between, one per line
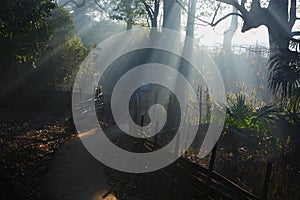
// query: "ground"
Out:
[42,157]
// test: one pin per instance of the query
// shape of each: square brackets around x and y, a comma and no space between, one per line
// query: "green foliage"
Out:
[244,117]
[64,54]
[130,11]
[62,22]
[240,114]
[247,125]
[24,30]
[285,78]
[264,115]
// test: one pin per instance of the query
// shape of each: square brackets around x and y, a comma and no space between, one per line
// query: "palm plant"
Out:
[285,78]
[243,115]
[245,122]
[239,114]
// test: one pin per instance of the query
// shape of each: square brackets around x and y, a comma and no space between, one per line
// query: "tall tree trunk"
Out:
[229,33]
[155,14]
[129,17]
[278,25]
[129,24]
[172,15]
[278,40]
[190,26]
[154,23]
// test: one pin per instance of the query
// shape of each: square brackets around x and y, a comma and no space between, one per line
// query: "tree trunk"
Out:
[152,12]
[229,33]
[190,26]
[129,20]
[279,39]
[155,14]
[172,15]
[279,28]
[129,25]
[154,22]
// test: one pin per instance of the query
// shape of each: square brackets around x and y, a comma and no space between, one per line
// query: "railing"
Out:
[194,180]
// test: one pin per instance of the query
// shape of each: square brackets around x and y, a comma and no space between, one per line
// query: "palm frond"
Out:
[284,76]
[239,108]
[265,114]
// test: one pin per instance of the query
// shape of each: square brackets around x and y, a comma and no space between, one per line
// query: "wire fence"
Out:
[246,50]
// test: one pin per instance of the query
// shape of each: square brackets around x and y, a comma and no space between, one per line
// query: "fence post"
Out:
[70,106]
[266,181]
[142,120]
[80,93]
[211,162]
[139,144]
[212,158]
[200,104]
[156,122]
[156,131]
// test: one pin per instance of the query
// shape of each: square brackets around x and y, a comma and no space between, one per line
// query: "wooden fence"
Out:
[188,180]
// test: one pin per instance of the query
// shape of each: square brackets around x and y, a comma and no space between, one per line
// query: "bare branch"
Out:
[234,3]
[224,17]
[295,33]
[295,40]
[99,5]
[196,17]
[78,5]
[206,23]
[216,12]
[148,9]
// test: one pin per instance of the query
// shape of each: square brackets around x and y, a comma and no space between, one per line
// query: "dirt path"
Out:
[75,175]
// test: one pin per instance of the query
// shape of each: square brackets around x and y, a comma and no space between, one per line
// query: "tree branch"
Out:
[295,33]
[196,17]
[99,5]
[148,9]
[210,23]
[78,5]
[213,19]
[295,40]
[234,3]
[254,18]
[224,17]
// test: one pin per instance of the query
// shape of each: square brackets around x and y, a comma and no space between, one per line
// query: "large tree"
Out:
[279,16]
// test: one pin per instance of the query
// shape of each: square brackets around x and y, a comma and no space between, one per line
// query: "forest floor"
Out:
[42,157]
[28,141]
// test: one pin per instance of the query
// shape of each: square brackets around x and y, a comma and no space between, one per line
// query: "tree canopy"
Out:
[23,30]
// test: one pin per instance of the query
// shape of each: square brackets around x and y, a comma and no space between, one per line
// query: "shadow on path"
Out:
[74,174]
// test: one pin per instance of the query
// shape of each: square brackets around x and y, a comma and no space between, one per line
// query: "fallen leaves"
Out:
[27,141]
